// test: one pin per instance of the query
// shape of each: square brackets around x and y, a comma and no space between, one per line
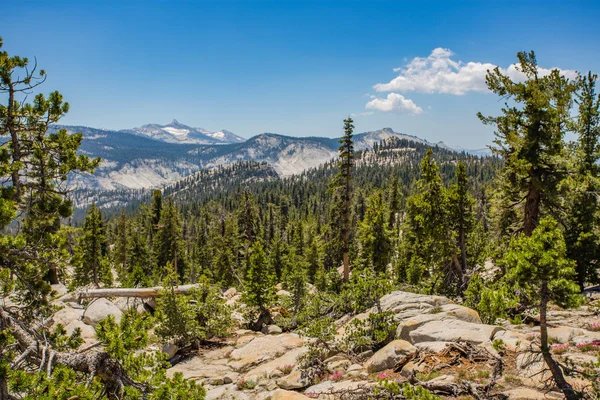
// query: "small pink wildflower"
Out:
[559,348]
[383,375]
[589,346]
[594,327]
[336,376]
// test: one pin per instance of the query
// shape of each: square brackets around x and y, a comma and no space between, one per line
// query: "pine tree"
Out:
[530,139]
[529,136]
[341,190]
[581,237]
[394,202]
[373,236]
[168,239]
[538,268]
[426,242]
[92,266]
[156,209]
[462,218]
[121,242]
[259,285]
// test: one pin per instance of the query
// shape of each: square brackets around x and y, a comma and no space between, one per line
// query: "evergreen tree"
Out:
[248,224]
[582,204]
[259,285]
[121,243]
[313,258]
[426,242]
[277,253]
[156,209]
[168,239]
[529,136]
[92,266]
[373,236]
[394,202]
[462,218]
[538,268]
[140,257]
[341,190]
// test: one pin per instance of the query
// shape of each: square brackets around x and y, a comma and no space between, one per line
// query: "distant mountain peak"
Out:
[176,132]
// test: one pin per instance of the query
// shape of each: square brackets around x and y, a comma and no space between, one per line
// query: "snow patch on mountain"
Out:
[176,132]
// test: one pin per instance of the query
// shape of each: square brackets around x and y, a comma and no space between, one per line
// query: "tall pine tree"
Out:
[341,189]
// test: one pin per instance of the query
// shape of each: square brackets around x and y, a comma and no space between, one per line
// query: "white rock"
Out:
[271,330]
[66,315]
[170,349]
[295,380]
[270,368]
[229,293]
[100,309]
[263,348]
[447,312]
[59,290]
[281,394]
[88,334]
[338,366]
[530,394]
[389,355]
[453,331]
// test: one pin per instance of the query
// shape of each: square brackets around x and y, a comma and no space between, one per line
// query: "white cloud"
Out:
[394,102]
[439,73]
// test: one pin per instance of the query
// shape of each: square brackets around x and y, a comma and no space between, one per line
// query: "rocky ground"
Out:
[437,342]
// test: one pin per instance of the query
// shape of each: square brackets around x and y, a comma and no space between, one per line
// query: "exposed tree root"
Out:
[94,364]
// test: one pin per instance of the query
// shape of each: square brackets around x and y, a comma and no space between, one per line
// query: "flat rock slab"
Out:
[432,347]
[229,392]
[263,348]
[290,358]
[281,394]
[512,340]
[444,313]
[198,369]
[398,300]
[453,331]
[530,394]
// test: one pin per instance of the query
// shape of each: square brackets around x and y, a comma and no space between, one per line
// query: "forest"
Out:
[510,235]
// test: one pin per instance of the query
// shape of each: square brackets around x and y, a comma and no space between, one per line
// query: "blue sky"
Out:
[296,68]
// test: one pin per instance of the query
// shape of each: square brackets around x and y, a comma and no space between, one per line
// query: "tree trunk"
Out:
[557,373]
[4,390]
[532,209]
[52,275]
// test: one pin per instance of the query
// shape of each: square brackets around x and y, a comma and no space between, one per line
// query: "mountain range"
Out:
[156,155]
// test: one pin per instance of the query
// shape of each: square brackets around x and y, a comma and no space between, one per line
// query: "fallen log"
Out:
[131,292]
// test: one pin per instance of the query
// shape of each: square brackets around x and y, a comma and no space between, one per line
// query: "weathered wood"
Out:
[131,292]
[44,357]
